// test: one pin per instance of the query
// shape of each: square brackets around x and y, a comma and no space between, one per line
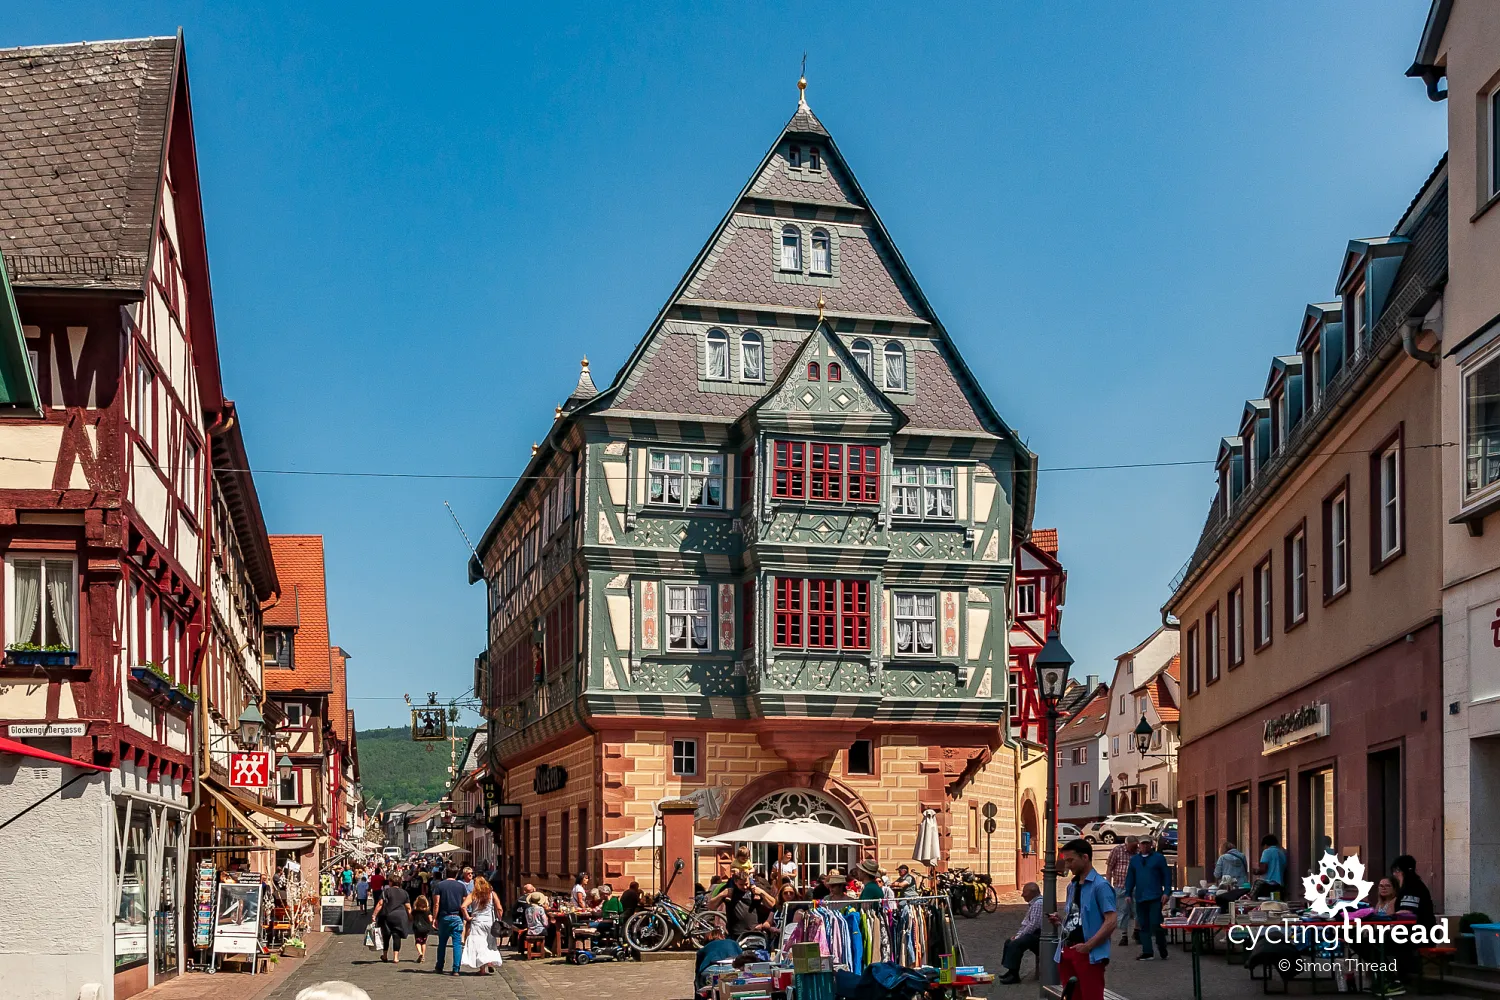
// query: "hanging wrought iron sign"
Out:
[429,724]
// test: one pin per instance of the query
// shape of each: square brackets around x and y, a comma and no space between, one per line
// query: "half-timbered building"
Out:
[769,565]
[112,397]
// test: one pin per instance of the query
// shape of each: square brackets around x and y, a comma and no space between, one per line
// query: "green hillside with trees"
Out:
[394,769]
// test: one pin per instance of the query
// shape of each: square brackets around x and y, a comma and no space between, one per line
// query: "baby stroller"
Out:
[606,944]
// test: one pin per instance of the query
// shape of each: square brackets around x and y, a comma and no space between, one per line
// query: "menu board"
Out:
[332,913]
[237,918]
[203,906]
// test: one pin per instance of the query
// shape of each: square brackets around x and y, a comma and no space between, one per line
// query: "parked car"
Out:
[1067,832]
[1115,828]
[1166,836]
[392,852]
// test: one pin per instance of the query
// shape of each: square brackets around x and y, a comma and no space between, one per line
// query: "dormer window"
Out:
[716,356]
[752,357]
[1360,320]
[794,156]
[815,159]
[822,258]
[812,371]
[791,249]
[835,372]
[861,351]
[895,366]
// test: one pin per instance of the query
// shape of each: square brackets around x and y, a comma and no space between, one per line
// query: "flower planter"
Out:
[183,701]
[150,679]
[292,951]
[40,658]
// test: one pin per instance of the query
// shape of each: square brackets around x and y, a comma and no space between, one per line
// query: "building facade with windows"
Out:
[1144,685]
[1460,66]
[1036,611]
[1309,612]
[1083,762]
[769,566]
[110,408]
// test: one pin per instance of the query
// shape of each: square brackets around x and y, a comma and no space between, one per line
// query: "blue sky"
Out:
[419,220]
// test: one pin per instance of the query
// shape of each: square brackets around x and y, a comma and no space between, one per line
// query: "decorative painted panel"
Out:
[713,680]
[822,527]
[650,620]
[940,680]
[938,544]
[726,617]
[795,673]
[950,623]
[684,534]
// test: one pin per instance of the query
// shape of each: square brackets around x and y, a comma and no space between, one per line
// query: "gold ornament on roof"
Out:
[820,308]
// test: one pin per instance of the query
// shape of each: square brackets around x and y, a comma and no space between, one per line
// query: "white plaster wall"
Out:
[52,950]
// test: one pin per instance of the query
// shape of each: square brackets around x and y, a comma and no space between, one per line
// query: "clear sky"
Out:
[421,217]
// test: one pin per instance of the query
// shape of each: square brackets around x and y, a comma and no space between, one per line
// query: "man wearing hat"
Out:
[868,872]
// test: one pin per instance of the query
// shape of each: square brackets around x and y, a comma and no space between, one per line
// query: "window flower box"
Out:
[26,655]
[154,679]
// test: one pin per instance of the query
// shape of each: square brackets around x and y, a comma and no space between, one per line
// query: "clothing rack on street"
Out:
[865,931]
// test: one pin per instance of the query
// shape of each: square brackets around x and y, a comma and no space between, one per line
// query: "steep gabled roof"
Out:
[303,607]
[82,149]
[1090,720]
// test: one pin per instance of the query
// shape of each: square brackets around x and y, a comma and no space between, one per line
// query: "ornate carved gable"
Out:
[824,379]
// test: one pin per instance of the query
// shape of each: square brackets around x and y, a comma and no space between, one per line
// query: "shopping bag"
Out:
[373,939]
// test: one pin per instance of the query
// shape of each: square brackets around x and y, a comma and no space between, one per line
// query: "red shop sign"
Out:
[250,768]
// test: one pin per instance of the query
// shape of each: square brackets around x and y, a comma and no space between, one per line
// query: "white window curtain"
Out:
[718,355]
[27,577]
[752,358]
[60,598]
[821,262]
[791,249]
[895,366]
[861,351]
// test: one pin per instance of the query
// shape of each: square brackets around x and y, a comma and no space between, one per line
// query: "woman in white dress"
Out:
[480,952]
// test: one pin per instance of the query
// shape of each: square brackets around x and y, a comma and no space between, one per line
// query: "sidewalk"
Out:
[237,985]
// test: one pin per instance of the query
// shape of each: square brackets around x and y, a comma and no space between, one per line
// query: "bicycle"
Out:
[668,921]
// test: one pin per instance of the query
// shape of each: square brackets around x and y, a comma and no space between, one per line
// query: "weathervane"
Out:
[820,308]
[802,85]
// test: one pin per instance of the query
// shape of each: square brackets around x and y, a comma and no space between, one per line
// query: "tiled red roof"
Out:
[303,606]
[1161,693]
[1045,539]
[338,702]
[1089,720]
[1174,668]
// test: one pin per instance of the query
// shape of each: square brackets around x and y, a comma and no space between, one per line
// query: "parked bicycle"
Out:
[667,922]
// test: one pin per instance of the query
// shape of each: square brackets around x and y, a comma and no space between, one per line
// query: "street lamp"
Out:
[1051,666]
[284,766]
[251,724]
[1144,734]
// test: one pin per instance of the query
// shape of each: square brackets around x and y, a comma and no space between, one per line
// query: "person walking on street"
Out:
[480,953]
[347,880]
[377,882]
[1148,883]
[421,925]
[393,916]
[1116,869]
[362,892]
[1086,925]
[450,917]
[1028,937]
[1272,868]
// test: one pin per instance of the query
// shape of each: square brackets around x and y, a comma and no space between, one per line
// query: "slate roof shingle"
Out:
[82,133]
[302,605]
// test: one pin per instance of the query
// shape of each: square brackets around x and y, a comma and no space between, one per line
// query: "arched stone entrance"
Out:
[1029,844]
[795,794]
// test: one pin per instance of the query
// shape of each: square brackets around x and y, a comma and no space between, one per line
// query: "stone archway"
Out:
[1028,843]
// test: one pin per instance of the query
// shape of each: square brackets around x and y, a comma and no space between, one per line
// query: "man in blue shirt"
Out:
[1149,884]
[1087,922]
[1272,868]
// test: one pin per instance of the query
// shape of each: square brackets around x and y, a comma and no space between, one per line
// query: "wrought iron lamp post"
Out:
[1051,666]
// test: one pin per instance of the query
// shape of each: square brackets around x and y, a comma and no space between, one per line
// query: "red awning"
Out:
[14,746]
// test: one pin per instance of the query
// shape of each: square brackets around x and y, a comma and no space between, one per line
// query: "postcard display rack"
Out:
[800,970]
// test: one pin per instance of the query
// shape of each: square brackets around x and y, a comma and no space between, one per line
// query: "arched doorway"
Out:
[1028,852]
[800,803]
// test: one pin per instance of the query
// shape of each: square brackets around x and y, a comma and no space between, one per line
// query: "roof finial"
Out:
[820,308]
[802,86]
[585,362]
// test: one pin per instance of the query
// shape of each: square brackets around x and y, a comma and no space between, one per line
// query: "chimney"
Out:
[1093,680]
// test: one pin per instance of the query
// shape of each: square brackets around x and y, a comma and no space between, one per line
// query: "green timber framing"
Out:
[612,546]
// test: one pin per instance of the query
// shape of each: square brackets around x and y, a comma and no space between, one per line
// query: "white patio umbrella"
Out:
[928,850]
[794,831]
[444,848]
[649,837]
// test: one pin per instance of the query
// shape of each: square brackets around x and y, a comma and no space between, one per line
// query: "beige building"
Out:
[1310,609]
[1459,45]
[1145,685]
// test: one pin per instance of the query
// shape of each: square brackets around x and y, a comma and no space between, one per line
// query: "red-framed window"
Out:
[864,474]
[790,469]
[827,472]
[830,614]
[812,371]
[835,372]
[855,612]
[822,614]
[825,480]
[789,611]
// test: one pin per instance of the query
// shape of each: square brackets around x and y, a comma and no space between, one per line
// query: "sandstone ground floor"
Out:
[581,789]
[1352,762]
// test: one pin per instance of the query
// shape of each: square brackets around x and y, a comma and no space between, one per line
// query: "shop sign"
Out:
[19,730]
[549,778]
[489,790]
[237,918]
[1310,722]
[331,913]
[250,768]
